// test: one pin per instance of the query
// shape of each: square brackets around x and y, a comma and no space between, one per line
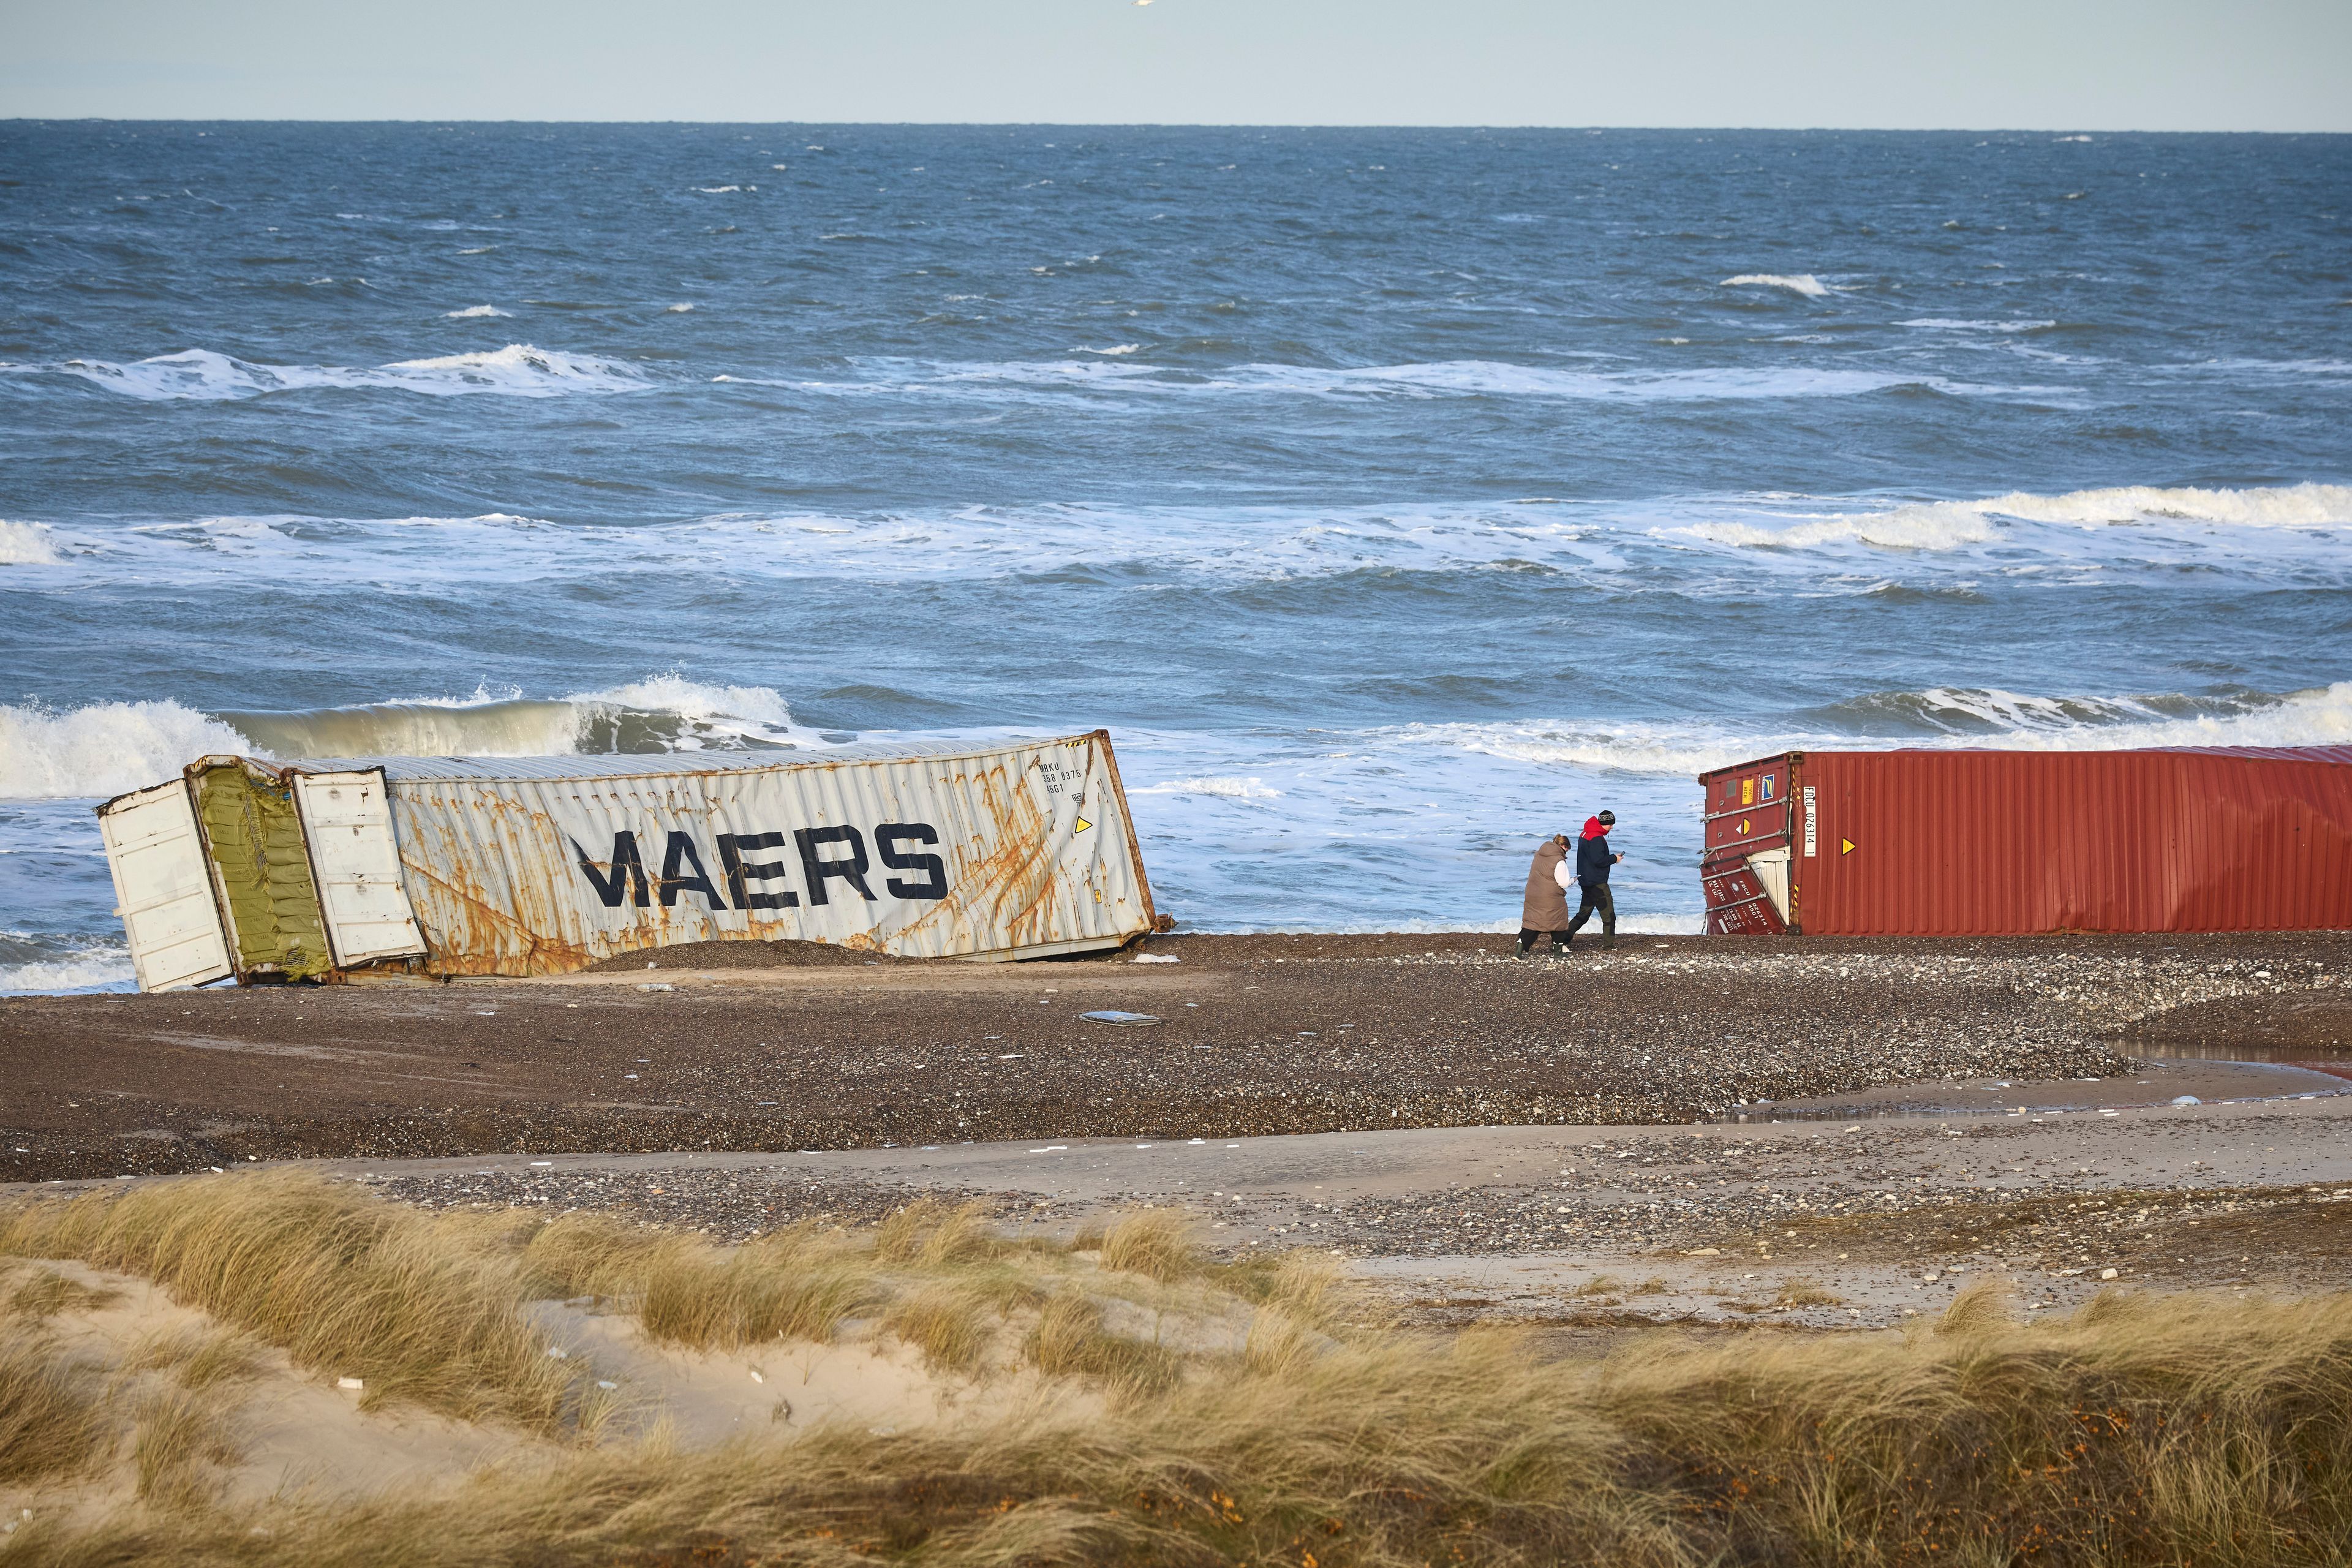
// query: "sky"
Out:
[2092,65]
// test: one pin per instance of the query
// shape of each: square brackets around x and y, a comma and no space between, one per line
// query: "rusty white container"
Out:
[520,866]
[543,865]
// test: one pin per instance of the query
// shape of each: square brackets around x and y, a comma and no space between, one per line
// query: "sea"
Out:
[1394,496]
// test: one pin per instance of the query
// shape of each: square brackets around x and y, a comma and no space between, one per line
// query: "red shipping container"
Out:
[1951,843]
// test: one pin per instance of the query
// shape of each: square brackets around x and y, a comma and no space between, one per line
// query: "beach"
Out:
[737,1087]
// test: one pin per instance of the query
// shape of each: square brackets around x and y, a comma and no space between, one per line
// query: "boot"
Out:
[1560,945]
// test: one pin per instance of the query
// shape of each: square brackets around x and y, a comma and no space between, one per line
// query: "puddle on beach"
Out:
[2338,1062]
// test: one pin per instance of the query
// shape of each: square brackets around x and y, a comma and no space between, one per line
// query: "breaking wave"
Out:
[109,747]
[1804,283]
[94,967]
[1228,788]
[1950,525]
[105,749]
[27,544]
[1432,379]
[1940,716]
[517,370]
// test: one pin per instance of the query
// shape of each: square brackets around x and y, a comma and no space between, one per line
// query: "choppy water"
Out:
[1395,497]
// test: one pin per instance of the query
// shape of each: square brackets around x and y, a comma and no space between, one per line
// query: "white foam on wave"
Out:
[27,544]
[1935,526]
[1228,788]
[101,749]
[2283,506]
[472,310]
[1952,525]
[2294,532]
[108,748]
[1804,283]
[1435,379]
[84,968]
[1948,324]
[1949,716]
[519,370]
[680,309]
[2321,716]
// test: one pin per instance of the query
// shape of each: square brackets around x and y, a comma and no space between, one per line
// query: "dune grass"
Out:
[421,1307]
[2139,1430]
[1155,1242]
[53,1420]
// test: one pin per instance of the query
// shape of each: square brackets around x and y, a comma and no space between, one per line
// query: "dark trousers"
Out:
[1596,897]
[1528,940]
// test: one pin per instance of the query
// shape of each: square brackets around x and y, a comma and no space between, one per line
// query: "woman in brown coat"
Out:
[1546,908]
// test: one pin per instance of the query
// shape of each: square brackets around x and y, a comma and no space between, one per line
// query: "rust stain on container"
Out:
[543,865]
[1008,851]
[1950,843]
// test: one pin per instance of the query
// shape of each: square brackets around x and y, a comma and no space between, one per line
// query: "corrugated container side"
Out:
[1996,843]
[1006,852]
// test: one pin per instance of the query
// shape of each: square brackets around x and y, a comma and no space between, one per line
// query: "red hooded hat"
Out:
[1593,829]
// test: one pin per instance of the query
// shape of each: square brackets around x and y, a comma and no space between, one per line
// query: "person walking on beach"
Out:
[1546,908]
[1593,859]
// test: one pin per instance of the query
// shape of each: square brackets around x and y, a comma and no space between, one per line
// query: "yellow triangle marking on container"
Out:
[1084,824]
[1845,845]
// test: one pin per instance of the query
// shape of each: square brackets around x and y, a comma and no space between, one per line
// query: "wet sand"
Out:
[1681,1130]
[1257,1037]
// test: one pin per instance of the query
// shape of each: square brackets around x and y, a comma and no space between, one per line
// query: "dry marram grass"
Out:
[2139,1431]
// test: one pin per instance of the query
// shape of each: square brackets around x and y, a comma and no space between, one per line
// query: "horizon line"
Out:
[21,120]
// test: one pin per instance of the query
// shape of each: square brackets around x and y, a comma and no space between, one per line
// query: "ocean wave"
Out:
[97,967]
[1933,526]
[1488,378]
[109,747]
[473,310]
[517,370]
[1940,716]
[1952,525]
[1804,283]
[2282,506]
[1962,326]
[27,544]
[1433,379]
[1229,788]
[2262,534]
[101,749]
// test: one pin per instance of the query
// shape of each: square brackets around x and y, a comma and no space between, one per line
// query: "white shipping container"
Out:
[163,887]
[543,865]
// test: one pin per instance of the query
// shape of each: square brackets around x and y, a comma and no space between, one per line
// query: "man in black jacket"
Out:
[1593,859]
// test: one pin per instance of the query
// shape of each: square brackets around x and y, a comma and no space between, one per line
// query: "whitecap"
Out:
[102,750]
[680,310]
[1951,525]
[27,544]
[716,190]
[517,370]
[92,968]
[472,310]
[1935,526]
[1804,283]
[2282,506]
[1964,326]
[1228,788]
